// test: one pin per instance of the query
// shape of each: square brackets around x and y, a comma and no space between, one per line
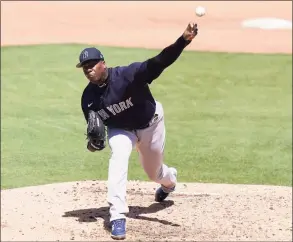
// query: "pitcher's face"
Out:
[94,71]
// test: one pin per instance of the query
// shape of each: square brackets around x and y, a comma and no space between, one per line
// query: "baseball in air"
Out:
[200,11]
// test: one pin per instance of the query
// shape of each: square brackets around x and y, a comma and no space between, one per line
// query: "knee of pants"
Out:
[120,151]
[119,156]
[118,164]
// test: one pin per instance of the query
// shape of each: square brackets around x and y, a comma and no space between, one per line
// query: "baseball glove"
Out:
[96,132]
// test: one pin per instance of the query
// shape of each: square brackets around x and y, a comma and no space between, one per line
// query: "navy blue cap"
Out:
[87,54]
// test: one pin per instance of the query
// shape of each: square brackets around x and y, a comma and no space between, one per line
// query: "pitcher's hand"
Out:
[190,32]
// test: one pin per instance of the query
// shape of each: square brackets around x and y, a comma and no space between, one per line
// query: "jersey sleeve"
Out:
[86,99]
[151,69]
[84,107]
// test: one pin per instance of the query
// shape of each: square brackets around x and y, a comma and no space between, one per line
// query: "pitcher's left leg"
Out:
[151,144]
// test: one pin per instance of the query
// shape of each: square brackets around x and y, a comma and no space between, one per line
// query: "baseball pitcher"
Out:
[117,101]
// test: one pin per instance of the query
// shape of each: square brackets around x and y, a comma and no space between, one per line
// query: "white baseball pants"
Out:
[150,146]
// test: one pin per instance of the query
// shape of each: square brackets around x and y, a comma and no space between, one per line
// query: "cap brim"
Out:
[79,65]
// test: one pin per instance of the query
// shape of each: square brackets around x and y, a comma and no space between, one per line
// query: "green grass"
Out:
[228,117]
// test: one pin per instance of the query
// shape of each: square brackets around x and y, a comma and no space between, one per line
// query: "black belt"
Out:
[154,118]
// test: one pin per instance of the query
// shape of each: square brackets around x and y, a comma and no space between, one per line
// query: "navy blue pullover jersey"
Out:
[126,101]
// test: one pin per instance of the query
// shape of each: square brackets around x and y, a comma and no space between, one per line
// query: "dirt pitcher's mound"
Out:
[195,212]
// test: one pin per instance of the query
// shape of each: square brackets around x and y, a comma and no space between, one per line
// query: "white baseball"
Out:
[200,11]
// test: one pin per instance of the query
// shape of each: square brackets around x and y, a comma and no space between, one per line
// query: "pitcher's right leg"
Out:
[121,143]
[151,146]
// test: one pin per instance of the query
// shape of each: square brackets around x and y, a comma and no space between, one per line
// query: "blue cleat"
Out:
[160,195]
[118,230]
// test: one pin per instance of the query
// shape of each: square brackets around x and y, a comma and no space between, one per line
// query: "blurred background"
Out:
[228,113]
